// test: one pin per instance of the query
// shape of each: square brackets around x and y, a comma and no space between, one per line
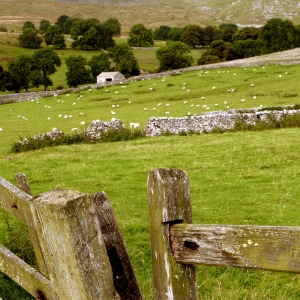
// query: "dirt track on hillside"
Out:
[288,57]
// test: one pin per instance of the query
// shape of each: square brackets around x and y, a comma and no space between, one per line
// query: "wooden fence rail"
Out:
[79,248]
[177,245]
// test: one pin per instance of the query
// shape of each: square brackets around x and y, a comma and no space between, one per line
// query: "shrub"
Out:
[3,29]
[45,140]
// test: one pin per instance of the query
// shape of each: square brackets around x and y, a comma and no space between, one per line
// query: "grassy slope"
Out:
[151,13]
[236,178]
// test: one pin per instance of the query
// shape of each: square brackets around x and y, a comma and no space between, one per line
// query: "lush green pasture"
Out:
[236,178]
[39,116]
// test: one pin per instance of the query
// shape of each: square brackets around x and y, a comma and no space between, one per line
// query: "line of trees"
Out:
[87,34]
[228,42]
[32,71]
[222,43]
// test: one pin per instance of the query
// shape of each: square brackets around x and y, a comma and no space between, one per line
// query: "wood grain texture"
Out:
[16,202]
[124,277]
[253,247]
[26,276]
[22,184]
[73,246]
[169,203]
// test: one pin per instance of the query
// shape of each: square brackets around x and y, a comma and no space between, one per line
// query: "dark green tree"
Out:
[46,61]
[28,24]
[210,34]
[193,35]
[208,59]
[140,36]
[5,80]
[246,48]
[61,21]
[113,26]
[44,24]
[175,34]
[174,55]
[246,33]
[22,72]
[124,60]
[29,38]
[223,50]
[54,36]
[77,73]
[99,63]
[91,35]
[161,33]
[68,25]
[226,31]
[278,35]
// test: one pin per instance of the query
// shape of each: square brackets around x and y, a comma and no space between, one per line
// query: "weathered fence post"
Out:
[22,184]
[169,203]
[72,243]
[124,277]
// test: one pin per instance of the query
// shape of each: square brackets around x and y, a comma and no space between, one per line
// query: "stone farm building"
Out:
[110,76]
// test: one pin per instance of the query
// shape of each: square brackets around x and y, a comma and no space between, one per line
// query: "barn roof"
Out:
[109,74]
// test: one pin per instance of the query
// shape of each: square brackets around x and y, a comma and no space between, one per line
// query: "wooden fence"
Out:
[78,245]
[177,245]
[81,253]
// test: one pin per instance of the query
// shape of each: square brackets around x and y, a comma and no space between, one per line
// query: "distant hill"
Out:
[152,13]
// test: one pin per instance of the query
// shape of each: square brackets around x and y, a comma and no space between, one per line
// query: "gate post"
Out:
[72,244]
[169,203]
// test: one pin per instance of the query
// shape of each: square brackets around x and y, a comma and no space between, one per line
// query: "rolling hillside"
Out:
[151,13]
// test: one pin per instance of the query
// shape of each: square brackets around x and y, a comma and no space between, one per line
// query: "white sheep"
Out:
[74,130]
[82,123]
[113,113]
[168,104]
[1,130]
[135,125]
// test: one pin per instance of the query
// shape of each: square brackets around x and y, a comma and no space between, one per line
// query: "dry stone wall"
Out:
[208,121]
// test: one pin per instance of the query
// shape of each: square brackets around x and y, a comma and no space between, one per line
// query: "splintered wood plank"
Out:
[253,247]
[124,277]
[16,202]
[169,203]
[27,277]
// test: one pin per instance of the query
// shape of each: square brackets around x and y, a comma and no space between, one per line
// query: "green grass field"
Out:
[236,178]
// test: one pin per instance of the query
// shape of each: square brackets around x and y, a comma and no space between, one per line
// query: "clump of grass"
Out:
[34,143]
[271,122]
[280,108]
[289,95]
[3,29]
[99,99]
[117,135]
